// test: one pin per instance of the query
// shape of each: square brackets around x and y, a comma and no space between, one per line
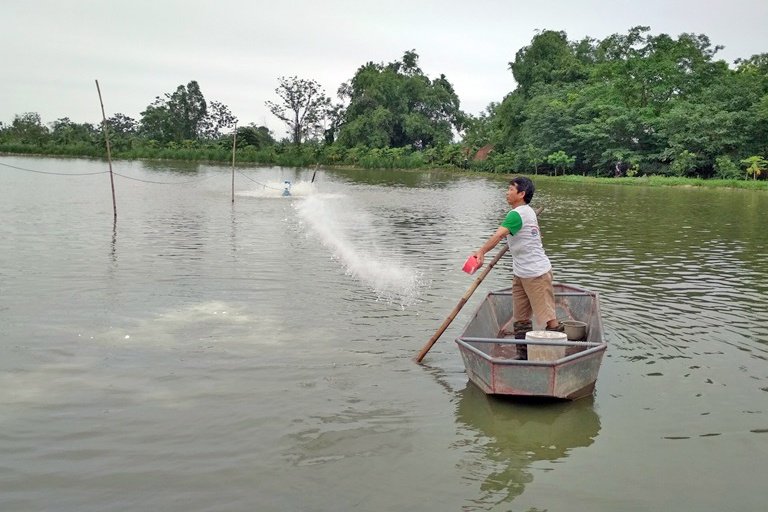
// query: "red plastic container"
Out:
[471,266]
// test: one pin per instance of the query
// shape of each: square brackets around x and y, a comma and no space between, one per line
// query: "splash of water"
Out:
[275,189]
[347,232]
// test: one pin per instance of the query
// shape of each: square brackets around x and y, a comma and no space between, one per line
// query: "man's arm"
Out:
[492,242]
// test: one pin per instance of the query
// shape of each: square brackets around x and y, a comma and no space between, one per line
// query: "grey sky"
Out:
[53,50]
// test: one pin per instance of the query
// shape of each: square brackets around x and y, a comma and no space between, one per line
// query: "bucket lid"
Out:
[546,336]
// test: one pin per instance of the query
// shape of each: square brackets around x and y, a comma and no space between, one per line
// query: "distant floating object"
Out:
[287,190]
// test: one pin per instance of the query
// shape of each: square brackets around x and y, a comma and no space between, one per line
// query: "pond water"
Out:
[218,352]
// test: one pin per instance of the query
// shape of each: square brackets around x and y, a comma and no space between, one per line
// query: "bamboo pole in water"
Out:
[234,145]
[109,153]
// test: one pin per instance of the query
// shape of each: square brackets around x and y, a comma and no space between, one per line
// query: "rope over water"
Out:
[135,179]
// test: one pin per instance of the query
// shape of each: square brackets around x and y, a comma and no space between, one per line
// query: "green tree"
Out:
[123,125]
[184,115]
[27,128]
[750,89]
[704,129]
[649,100]
[529,157]
[560,160]
[683,163]
[549,59]
[157,122]
[217,119]
[123,131]
[397,105]
[755,124]
[480,130]
[303,108]
[253,135]
[725,169]
[650,70]
[756,165]
[334,120]
[547,120]
[189,107]
[66,133]
[507,118]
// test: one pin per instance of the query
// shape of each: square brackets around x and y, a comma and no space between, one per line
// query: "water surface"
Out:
[205,354]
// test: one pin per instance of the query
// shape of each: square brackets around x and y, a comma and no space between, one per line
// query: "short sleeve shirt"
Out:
[524,240]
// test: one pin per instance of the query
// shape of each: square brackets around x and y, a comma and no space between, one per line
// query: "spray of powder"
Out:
[348,233]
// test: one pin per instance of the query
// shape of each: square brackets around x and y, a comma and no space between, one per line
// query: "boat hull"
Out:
[493,362]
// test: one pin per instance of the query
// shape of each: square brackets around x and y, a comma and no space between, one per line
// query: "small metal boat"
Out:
[565,369]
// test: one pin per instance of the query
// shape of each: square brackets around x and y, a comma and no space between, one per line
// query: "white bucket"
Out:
[545,352]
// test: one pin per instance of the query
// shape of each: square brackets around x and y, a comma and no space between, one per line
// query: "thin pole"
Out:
[109,153]
[234,144]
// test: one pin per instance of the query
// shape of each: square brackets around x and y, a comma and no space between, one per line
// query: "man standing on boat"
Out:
[532,291]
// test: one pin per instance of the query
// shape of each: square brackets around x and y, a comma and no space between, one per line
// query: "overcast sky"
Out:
[51,51]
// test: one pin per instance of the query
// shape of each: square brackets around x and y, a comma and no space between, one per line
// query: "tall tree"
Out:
[190,109]
[303,108]
[157,122]
[396,105]
[217,119]
[253,135]
[122,124]
[185,115]
[480,130]
[550,58]
[27,128]
[659,103]
[65,132]
[650,71]
[752,94]
[122,131]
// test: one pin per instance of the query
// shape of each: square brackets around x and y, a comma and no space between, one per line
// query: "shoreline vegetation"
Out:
[645,180]
[631,108]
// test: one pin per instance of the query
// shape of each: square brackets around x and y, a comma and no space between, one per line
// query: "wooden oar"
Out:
[460,305]
[465,298]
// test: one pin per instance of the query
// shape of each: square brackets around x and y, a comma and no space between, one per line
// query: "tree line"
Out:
[630,104]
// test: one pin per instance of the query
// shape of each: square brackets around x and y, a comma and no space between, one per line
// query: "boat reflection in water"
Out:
[514,433]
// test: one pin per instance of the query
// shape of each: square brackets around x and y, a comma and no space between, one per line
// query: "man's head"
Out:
[524,185]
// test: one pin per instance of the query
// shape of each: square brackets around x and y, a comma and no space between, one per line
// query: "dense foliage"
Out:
[185,115]
[396,106]
[628,105]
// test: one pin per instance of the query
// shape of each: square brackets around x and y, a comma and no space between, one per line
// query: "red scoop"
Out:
[471,266]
